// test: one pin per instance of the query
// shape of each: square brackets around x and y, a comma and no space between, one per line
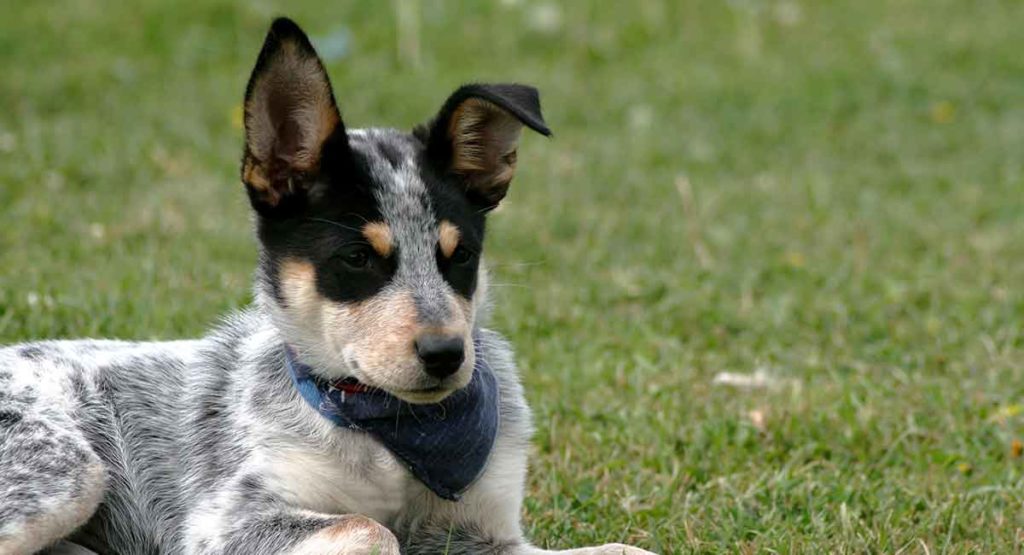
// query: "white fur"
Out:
[56,523]
[365,479]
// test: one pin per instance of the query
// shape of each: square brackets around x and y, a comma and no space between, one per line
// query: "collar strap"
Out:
[350,385]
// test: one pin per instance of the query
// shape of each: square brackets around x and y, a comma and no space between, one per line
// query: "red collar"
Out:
[350,385]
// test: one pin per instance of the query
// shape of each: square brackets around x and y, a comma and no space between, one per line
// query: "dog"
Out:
[358,406]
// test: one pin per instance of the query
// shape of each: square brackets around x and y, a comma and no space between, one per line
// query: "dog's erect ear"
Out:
[289,116]
[476,133]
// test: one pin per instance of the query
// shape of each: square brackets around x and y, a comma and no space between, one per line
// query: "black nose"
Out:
[441,354]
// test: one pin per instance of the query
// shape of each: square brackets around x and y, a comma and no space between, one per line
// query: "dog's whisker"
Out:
[358,215]
[334,223]
[515,264]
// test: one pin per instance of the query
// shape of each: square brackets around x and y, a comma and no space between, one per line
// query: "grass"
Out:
[830,193]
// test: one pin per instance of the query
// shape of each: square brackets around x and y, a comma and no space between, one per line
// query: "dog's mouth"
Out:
[427,395]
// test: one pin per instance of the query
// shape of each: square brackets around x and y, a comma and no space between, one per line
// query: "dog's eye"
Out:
[462,255]
[356,258]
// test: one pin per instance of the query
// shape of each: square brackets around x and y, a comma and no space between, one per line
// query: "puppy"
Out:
[357,407]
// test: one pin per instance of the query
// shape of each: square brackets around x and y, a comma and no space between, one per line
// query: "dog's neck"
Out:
[444,445]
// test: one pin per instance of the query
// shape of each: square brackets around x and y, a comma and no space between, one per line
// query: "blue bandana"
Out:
[445,445]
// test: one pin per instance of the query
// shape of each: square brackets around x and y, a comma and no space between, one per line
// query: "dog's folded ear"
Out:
[476,134]
[290,116]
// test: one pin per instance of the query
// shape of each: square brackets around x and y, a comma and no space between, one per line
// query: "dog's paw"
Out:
[353,535]
[619,549]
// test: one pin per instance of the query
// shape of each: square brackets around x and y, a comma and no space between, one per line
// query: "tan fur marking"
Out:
[354,535]
[448,238]
[252,174]
[388,321]
[378,234]
[354,524]
[255,176]
[298,282]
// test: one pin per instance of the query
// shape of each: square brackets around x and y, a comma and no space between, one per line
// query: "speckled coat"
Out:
[369,239]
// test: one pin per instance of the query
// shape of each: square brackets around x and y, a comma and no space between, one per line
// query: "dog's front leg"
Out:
[468,542]
[607,549]
[240,522]
[472,539]
[486,520]
[355,534]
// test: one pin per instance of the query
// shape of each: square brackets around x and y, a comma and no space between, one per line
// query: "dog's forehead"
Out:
[391,162]
[388,156]
[408,194]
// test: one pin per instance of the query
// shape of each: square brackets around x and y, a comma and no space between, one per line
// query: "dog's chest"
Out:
[361,477]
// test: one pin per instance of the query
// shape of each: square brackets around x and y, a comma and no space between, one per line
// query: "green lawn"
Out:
[831,193]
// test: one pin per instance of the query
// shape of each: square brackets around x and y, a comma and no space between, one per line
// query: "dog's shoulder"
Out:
[60,368]
[498,354]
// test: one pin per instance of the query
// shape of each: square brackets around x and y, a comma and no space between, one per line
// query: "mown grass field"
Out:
[831,194]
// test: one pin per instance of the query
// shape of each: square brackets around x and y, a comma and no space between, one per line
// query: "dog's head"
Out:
[371,239]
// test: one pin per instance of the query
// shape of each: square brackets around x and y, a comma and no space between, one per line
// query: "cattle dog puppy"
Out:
[358,406]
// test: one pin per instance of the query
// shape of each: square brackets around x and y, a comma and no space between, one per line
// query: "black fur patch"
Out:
[450,204]
[9,418]
[330,226]
[32,352]
[390,153]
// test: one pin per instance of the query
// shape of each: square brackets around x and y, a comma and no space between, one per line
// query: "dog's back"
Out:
[144,427]
[85,421]
[70,420]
